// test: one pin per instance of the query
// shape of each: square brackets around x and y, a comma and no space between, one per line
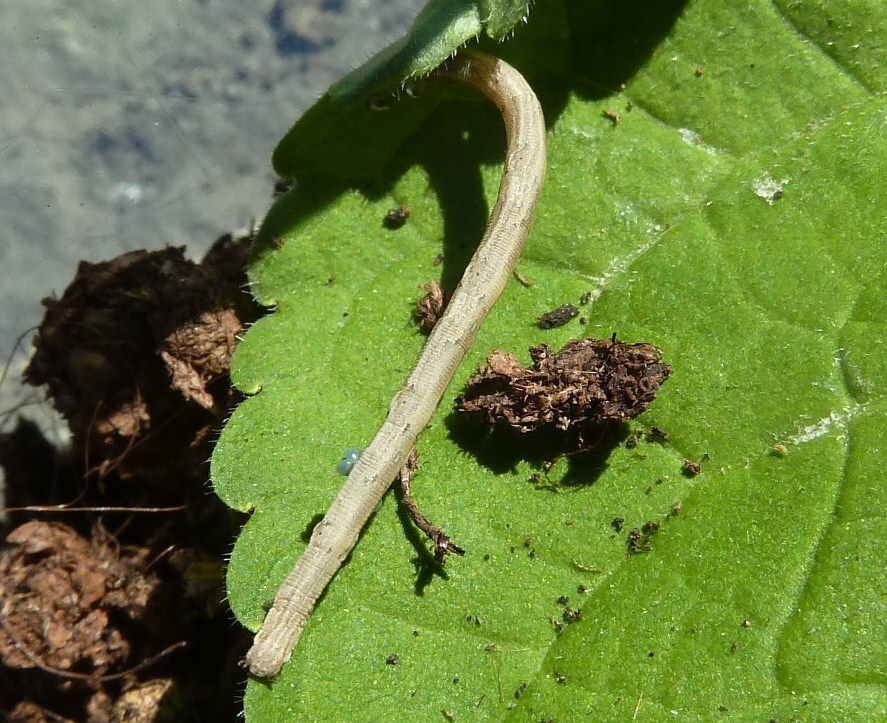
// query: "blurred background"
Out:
[130,125]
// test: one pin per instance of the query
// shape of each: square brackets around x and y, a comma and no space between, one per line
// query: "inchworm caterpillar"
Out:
[411,409]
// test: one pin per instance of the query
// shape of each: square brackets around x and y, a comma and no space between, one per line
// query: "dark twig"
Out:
[442,542]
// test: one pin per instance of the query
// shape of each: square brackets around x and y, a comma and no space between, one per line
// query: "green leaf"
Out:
[343,138]
[440,28]
[733,217]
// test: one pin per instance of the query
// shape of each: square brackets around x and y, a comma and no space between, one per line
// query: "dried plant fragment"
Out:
[611,115]
[431,306]
[68,602]
[639,539]
[443,545]
[587,383]
[558,317]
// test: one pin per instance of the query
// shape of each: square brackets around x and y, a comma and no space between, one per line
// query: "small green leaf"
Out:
[439,30]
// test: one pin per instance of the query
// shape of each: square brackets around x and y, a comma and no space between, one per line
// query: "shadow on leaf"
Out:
[500,450]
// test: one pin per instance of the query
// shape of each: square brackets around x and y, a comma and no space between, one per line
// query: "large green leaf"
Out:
[733,217]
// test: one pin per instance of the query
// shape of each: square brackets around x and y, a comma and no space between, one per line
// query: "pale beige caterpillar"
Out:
[411,410]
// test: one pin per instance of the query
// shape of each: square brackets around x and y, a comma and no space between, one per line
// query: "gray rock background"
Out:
[127,125]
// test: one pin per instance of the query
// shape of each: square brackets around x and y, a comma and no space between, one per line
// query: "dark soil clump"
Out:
[135,356]
[589,383]
[111,581]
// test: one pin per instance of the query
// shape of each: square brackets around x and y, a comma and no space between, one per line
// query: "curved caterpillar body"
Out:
[411,409]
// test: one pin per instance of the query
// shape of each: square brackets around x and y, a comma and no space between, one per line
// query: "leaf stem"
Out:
[411,409]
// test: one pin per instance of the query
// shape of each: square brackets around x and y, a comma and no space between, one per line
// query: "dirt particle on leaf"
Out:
[639,539]
[396,217]
[658,435]
[558,317]
[586,384]
[611,115]
[572,615]
[392,659]
[691,469]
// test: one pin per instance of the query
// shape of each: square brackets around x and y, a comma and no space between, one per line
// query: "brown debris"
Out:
[97,626]
[131,624]
[587,383]
[431,306]
[639,539]
[691,469]
[396,217]
[558,317]
[199,352]
[136,355]
[611,115]
[63,597]
[92,617]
